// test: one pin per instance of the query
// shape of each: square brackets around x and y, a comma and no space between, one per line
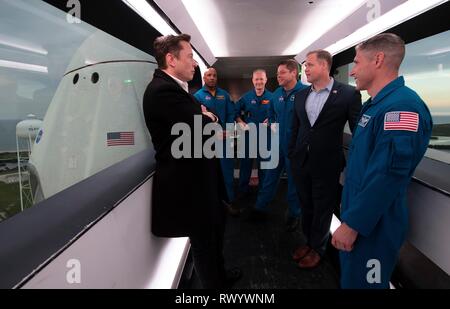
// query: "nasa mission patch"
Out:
[364,120]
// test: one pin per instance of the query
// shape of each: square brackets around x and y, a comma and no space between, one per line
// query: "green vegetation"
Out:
[13,171]
[9,156]
[9,200]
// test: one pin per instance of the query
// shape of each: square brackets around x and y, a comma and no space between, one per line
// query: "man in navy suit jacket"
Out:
[315,150]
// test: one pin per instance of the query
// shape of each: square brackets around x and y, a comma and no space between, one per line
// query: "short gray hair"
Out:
[390,44]
[259,71]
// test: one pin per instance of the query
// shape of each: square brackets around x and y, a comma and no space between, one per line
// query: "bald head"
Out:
[259,80]
[210,78]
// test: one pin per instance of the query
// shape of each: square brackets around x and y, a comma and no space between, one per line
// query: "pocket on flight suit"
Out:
[401,155]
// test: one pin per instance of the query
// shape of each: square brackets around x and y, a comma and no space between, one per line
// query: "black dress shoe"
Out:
[232,210]
[232,276]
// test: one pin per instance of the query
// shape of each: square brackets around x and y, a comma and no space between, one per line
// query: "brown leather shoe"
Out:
[311,260]
[300,253]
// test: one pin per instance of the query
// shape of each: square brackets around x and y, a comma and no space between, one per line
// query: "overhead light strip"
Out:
[23,66]
[214,33]
[149,14]
[389,20]
[322,17]
[35,50]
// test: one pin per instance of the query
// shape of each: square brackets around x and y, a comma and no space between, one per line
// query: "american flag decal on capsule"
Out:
[120,139]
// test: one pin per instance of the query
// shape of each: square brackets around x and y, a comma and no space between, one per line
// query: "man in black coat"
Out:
[315,149]
[187,191]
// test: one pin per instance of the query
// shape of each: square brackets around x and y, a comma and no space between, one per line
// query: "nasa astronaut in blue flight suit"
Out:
[281,109]
[255,107]
[390,140]
[218,101]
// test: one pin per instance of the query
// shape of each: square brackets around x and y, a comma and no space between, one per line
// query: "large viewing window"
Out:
[426,69]
[70,102]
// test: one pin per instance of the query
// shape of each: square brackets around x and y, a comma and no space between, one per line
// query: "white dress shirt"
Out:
[316,100]
[183,85]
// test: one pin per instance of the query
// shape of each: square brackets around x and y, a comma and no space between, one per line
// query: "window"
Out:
[70,102]
[426,69]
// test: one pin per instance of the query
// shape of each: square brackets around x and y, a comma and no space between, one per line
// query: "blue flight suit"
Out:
[387,145]
[281,109]
[256,110]
[222,106]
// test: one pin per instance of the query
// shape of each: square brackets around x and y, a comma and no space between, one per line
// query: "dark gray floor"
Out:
[263,251]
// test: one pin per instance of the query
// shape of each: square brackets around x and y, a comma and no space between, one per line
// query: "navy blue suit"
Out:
[317,158]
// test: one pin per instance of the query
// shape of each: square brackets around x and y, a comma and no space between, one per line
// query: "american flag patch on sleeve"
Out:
[401,121]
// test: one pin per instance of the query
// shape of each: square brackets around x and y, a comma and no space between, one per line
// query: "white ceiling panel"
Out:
[240,29]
